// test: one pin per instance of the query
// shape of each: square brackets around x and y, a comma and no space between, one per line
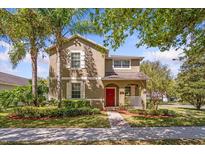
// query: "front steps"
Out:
[111,108]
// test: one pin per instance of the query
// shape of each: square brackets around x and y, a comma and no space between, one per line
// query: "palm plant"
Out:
[25,30]
[62,22]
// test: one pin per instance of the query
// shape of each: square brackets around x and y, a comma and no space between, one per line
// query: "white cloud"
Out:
[4,55]
[166,58]
[6,66]
[42,57]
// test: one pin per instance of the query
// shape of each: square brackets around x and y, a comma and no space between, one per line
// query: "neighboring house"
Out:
[158,96]
[88,72]
[8,81]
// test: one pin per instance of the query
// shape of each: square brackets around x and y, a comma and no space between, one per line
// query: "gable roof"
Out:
[81,37]
[12,79]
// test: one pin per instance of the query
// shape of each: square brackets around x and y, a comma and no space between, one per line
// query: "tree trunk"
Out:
[58,52]
[198,104]
[34,76]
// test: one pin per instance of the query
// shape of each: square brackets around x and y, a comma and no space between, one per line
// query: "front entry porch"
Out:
[110,95]
[125,93]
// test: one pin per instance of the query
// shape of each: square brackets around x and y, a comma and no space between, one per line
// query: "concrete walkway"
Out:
[116,120]
[98,134]
[120,129]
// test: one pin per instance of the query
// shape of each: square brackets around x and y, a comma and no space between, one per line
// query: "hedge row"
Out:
[75,103]
[39,112]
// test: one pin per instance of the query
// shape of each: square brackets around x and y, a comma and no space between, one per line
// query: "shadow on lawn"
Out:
[99,121]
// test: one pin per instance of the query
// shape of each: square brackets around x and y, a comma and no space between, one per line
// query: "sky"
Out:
[23,69]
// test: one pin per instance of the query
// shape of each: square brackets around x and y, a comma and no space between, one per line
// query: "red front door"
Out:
[110,97]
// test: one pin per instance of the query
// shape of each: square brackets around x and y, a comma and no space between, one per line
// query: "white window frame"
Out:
[81,62]
[69,89]
[113,66]
[71,60]
[80,89]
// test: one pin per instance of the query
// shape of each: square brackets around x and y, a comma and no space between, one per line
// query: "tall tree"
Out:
[163,28]
[25,30]
[159,82]
[64,22]
[191,79]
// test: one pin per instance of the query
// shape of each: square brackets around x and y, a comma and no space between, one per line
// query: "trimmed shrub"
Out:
[39,112]
[53,102]
[167,112]
[75,103]
[153,112]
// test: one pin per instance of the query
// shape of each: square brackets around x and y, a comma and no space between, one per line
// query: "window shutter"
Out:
[68,60]
[82,89]
[68,89]
[82,59]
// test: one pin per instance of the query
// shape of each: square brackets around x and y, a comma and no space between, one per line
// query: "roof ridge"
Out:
[14,75]
[82,37]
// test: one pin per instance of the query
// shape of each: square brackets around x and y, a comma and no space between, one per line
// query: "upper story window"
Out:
[75,60]
[121,63]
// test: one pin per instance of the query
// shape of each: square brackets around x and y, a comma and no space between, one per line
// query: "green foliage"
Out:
[163,28]
[23,94]
[39,112]
[76,103]
[160,112]
[160,81]
[191,79]
[25,30]
[13,97]
[53,102]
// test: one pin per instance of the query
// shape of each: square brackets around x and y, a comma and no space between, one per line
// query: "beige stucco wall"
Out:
[94,60]
[135,66]
[94,89]
[94,68]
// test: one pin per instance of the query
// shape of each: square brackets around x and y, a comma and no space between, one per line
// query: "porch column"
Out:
[121,96]
[143,95]
[132,90]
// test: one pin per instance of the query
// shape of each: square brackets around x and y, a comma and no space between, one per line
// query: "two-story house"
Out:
[88,72]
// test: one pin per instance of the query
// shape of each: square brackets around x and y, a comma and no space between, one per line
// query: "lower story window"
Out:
[76,90]
[127,91]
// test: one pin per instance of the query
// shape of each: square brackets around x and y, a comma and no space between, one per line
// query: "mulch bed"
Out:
[127,113]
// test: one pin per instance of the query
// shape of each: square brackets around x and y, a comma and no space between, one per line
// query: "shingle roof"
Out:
[125,76]
[12,79]
[123,57]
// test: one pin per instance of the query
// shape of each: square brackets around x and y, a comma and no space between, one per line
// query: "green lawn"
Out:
[184,117]
[118,142]
[97,121]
